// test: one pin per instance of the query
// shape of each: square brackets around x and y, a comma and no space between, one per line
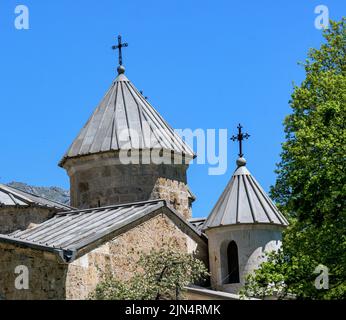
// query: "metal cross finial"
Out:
[119,47]
[240,137]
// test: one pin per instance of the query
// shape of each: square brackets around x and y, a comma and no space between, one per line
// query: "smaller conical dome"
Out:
[244,202]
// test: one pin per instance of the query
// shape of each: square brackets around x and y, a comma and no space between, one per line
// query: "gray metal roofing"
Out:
[11,197]
[244,202]
[74,230]
[198,223]
[125,120]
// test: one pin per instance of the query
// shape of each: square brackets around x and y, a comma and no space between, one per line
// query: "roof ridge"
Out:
[130,204]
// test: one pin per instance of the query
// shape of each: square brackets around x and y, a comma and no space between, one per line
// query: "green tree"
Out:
[310,187]
[162,274]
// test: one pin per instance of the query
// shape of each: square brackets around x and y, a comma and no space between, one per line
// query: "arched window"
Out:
[233,263]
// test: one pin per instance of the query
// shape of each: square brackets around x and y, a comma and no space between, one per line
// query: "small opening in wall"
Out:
[233,263]
[99,203]
[190,202]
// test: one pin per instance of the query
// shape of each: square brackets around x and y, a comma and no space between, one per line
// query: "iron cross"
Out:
[119,47]
[240,137]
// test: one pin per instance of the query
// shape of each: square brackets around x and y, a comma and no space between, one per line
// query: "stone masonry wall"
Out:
[94,186]
[122,253]
[47,276]
[13,219]
[52,279]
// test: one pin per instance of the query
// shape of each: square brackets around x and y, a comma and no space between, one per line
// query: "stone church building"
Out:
[121,208]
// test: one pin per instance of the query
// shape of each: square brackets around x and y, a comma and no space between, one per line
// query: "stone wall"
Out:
[50,279]
[16,218]
[47,276]
[122,253]
[101,180]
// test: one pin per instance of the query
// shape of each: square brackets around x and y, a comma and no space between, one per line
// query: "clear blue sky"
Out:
[203,64]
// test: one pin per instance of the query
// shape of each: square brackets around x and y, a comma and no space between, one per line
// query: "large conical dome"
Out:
[126,120]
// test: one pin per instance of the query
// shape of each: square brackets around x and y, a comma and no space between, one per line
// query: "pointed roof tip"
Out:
[242,171]
[121,77]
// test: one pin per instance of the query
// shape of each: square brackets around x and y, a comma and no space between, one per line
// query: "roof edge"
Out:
[187,223]
[188,157]
[257,224]
[64,255]
[129,204]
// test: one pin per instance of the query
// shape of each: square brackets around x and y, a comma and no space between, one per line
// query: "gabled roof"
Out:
[71,232]
[125,120]
[244,202]
[12,197]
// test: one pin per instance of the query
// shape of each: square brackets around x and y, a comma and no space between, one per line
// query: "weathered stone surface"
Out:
[16,218]
[49,279]
[101,180]
[120,256]
[47,276]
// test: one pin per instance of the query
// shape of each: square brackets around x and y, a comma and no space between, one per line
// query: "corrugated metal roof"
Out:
[75,230]
[125,120]
[244,202]
[12,197]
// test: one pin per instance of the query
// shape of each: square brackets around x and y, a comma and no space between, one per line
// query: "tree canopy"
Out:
[310,188]
[162,274]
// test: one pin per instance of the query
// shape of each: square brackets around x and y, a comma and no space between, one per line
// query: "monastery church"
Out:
[120,210]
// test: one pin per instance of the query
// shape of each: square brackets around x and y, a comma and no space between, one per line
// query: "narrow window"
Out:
[233,263]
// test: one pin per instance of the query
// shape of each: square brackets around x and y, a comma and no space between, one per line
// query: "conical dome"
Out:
[125,120]
[244,202]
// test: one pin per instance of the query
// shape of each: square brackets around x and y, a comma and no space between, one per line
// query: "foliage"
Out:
[310,187]
[163,274]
